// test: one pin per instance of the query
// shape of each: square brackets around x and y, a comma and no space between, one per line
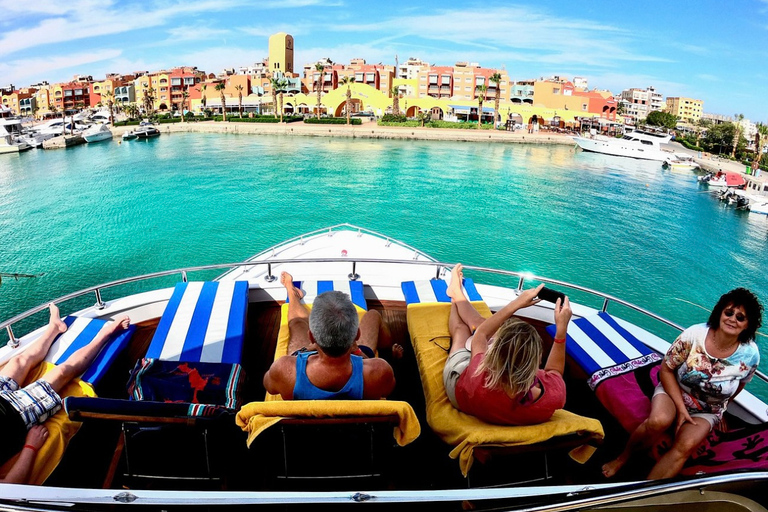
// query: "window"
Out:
[370,77]
[358,77]
[468,80]
[584,106]
[189,81]
[555,90]
[432,79]
[446,79]
[163,81]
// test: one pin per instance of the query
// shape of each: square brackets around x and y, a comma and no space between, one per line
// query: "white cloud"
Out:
[216,59]
[42,68]
[91,19]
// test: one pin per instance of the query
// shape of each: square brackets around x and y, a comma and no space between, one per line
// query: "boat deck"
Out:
[334,449]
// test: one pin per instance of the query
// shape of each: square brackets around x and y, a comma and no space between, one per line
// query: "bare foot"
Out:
[613,467]
[397,351]
[286,280]
[119,325]
[457,278]
[55,319]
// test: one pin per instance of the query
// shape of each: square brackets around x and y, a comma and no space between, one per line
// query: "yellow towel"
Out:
[60,430]
[255,417]
[428,327]
[284,336]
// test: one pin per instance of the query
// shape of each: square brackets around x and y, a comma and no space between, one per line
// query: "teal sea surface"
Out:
[96,213]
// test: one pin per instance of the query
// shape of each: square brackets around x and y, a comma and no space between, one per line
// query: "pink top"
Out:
[494,406]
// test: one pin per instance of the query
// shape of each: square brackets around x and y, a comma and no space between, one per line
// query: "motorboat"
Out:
[754,195]
[722,179]
[97,132]
[634,144]
[10,133]
[145,131]
[680,162]
[141,451]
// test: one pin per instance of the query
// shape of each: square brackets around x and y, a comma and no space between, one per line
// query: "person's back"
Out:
[321,364]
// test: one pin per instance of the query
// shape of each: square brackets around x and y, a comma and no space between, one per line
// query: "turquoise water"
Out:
[96,213]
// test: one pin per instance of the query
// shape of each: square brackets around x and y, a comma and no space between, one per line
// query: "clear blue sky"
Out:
[711,50]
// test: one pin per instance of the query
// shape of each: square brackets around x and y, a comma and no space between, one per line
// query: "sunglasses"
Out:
[739,316]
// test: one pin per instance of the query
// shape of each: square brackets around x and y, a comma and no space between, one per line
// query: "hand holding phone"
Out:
[551,295]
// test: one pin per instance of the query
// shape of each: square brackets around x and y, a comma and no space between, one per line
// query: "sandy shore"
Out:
[368,130]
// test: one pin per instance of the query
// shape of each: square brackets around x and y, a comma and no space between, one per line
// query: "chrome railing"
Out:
[182,272]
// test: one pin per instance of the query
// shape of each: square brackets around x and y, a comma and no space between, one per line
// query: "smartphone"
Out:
[551,295]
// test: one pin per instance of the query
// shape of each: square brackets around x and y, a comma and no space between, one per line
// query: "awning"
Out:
[463,109]
[733,179]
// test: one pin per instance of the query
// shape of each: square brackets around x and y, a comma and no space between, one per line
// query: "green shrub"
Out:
[129,122]
[392,118]
[333,120]
[408,124]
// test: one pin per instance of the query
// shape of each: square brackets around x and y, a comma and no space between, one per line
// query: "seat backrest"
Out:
[203,322]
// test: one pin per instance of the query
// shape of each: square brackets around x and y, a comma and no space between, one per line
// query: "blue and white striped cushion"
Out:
[314,288]
[435,291]
[598,342]
[80,332]
[203,322]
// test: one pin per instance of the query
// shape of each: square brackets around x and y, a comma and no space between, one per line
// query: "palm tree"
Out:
[761,142]
[481,90]
[239,89]
[184,96]
[395,92]
[109,96]
[220,87]
[737,133]
[149,100]
[132,110]
[424,116]
[279,86]
[496,79]
[203,100]
[319,86]
[348,81]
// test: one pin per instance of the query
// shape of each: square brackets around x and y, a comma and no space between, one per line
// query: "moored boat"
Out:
[143,132]
[634,144]
[10,134]
[97,132]
[145,454]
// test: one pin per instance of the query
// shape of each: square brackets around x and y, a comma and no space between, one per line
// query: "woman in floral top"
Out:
[704,369]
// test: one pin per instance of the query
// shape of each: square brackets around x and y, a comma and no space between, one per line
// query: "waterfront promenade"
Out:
[367,130]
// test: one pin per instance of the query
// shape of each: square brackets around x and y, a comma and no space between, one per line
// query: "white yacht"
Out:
[198,431]
[635,144]
[10,133]
[97,132]
[756,194]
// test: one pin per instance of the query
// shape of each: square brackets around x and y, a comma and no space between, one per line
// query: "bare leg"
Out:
[298,316]
[663,413]
[465,310]
[687,439]
[78,362]
[19,366]
[375,334]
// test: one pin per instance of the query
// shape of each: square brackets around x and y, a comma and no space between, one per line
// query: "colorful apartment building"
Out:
[166,88]
[21,102]
[687,109]
[638,103]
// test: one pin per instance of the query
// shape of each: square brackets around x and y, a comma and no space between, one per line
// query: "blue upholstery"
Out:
[80,332]
[435,291]
[203,322]
[598,342]
[314,288]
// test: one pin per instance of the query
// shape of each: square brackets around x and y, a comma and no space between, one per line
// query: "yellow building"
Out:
[281,53]
[687,109]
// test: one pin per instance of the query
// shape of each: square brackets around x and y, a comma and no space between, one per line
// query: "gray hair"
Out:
[333,322]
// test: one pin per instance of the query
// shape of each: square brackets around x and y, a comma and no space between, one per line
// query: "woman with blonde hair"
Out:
[492,371]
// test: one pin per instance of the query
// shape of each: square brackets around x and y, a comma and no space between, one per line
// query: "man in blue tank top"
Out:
[331,352]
